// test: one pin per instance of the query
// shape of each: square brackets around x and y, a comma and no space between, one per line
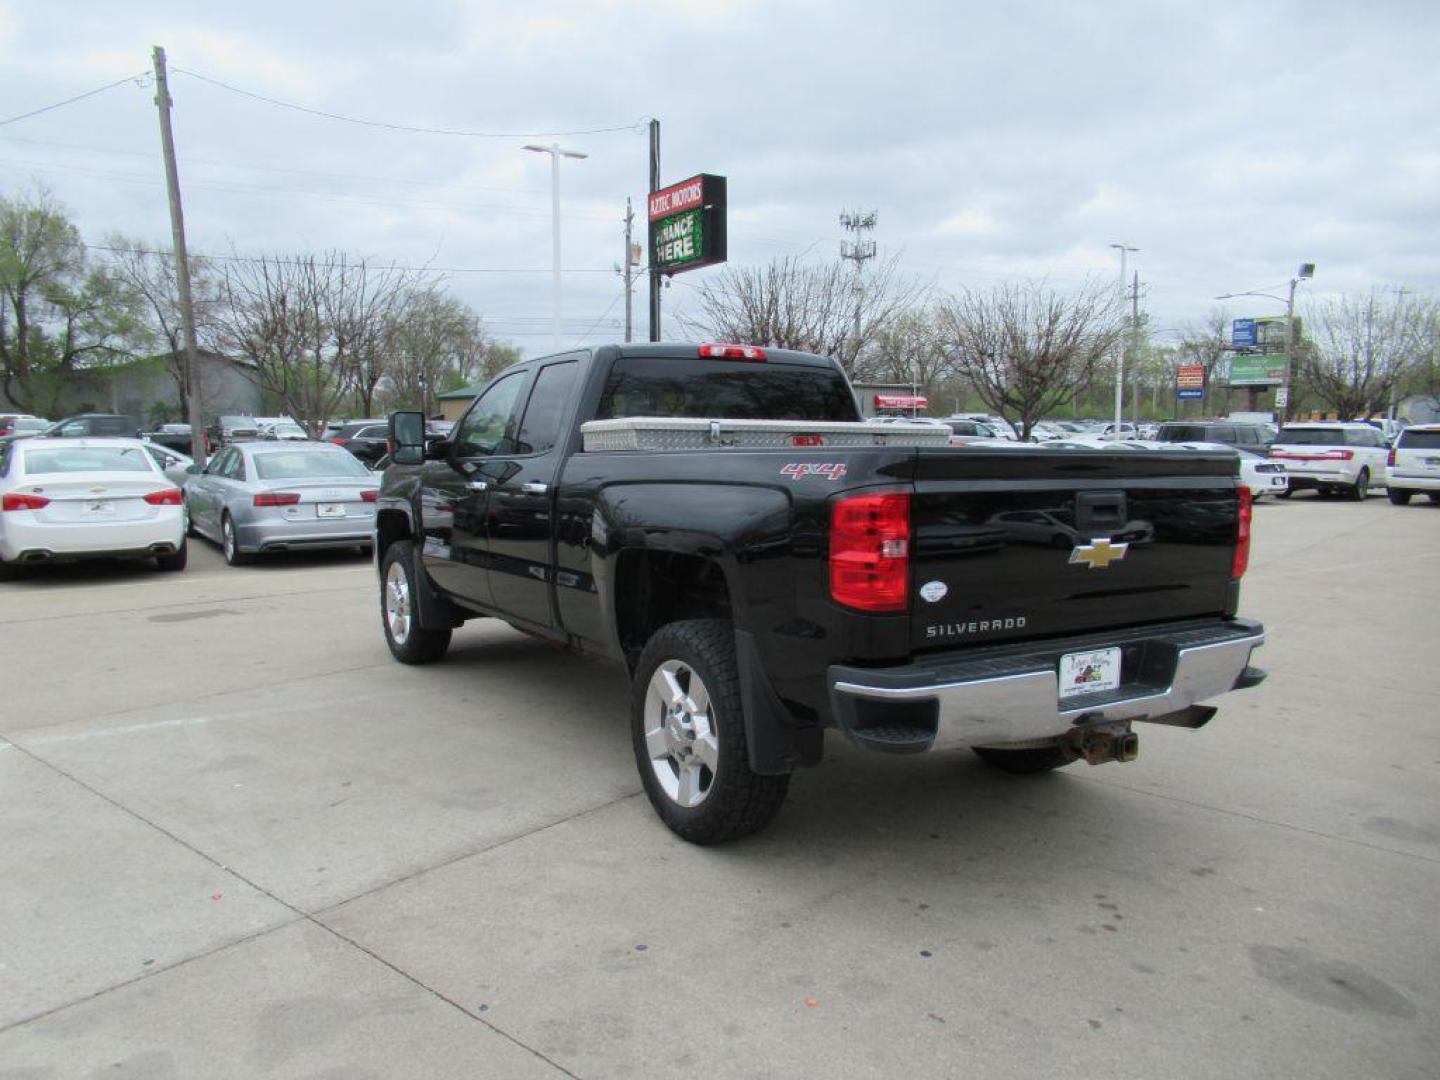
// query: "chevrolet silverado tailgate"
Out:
[1017,543]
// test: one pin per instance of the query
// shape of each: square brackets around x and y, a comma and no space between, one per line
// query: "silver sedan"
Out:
[259,497]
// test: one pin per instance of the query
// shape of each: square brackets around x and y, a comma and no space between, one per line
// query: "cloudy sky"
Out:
[1228,142]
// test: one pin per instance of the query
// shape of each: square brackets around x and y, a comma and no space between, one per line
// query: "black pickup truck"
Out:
[767,568]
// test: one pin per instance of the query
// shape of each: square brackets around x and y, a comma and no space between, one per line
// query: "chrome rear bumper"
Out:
[991,697]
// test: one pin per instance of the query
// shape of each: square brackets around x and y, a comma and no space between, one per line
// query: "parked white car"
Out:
[1414,464]
[1261,475]
[1331,457]
[63,499]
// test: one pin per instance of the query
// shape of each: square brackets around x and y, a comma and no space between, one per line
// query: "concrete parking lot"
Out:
[238,840]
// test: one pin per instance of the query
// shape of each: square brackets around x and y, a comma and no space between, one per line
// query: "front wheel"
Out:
[689,736]
[1399,496]
[409,642]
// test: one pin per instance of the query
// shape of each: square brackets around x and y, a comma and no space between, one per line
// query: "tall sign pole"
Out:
[182,262]
[654,273]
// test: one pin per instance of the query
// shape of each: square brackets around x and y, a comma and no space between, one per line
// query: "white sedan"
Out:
[63,499]
[1260,475]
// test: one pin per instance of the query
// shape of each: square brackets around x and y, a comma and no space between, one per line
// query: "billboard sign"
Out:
[1257,369]
[687,224]
[1242,333]
[1271,334]
[1190,381]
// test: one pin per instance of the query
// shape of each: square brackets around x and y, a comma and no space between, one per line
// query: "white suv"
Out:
[1414,464]
[1331,457]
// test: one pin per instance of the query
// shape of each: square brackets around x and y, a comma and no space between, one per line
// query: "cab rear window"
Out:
[704,389]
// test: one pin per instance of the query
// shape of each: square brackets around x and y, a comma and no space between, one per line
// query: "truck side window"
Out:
[548,399]
[486,428]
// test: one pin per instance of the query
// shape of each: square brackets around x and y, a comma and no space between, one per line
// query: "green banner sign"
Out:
[679,241]
[1257,369]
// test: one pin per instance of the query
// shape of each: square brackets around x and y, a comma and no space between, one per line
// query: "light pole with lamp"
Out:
[1305,273]
[1123,248]
[556,153]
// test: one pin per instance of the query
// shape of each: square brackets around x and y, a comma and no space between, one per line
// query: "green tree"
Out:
[433,344]
[59,312]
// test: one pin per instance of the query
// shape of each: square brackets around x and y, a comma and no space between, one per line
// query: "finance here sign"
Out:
[687,224]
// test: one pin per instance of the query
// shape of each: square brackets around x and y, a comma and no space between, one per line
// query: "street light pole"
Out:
[556,153]
[1123,248]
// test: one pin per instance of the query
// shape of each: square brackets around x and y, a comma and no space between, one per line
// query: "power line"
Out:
[635,127]
[598,321]
[136,78]
[294,262]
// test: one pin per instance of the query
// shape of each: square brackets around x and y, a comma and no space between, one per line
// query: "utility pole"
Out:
[1124,249]
[859,251]
[630,261]
[182,262]
[654,187]
[1135,350]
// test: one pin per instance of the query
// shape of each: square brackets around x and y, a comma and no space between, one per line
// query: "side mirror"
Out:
[407,438]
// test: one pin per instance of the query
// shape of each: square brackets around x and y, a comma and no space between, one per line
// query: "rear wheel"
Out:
[8,571]
[230,544]
[689,736]
[1399,496]
[409,642]
[1026,762]
[176,560]
[1358,490]
[1433,496]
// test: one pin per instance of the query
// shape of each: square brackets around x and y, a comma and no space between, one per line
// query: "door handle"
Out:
[478,485]
[534,487]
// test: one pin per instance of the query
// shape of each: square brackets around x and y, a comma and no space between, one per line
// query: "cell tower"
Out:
[857,224]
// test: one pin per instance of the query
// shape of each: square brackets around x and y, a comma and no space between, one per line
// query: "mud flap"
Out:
[776,744]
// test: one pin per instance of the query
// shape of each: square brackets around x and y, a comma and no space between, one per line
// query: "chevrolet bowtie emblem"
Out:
[1098,554]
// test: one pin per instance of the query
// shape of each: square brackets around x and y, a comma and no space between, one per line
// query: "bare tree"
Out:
[905,349]
[150,275]
[1024,347]
[791,305]
[432,342]
[361,304]
[1357,348]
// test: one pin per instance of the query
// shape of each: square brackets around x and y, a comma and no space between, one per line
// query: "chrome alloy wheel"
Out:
[397,603]
[227,539]
[680,735]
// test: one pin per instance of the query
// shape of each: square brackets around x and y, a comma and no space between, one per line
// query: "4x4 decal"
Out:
[831,470]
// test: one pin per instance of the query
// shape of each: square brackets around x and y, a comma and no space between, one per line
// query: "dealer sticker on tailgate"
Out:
[1089,672]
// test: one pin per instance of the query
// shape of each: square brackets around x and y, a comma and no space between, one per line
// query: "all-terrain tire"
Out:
[409,642]
[736,801]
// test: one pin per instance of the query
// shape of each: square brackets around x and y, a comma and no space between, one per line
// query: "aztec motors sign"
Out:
[687,224]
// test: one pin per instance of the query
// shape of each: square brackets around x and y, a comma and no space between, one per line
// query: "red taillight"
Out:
[369,496]
[870,551]
[19,500]
[339,441]
[1390,458]
[167,497]
[732,352]
[277,498]
[1242,537]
